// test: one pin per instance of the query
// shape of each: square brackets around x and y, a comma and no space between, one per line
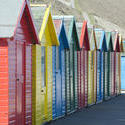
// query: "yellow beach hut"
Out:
[121,50]
[92,67]
[42,64]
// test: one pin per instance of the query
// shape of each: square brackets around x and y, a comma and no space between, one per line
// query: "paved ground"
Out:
[111,112]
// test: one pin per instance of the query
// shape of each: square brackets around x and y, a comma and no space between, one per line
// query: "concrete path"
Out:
[111,112]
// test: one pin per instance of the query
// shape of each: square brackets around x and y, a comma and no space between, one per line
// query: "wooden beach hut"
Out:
[101,47]
[109,60]
[17,34]
[71,64]
[122,66]
[83,64]
[116,47]
[92,67]
[59,102]
[121,50]
[42,64]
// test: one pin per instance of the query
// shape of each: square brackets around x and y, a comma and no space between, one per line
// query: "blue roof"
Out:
[101,40]
[64,36]
[60,30]
[69,26]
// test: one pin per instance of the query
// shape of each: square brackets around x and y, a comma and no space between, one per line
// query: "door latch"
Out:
[17,79]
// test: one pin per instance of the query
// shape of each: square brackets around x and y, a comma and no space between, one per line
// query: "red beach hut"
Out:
[83,66]
[17,34]
[115,39]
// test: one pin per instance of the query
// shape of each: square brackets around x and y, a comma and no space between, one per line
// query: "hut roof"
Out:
[84,38]
[9,14]
[101,39]
[92,39]
[70,28]
[60,30]
[109,41]
[115,41]
[44,24]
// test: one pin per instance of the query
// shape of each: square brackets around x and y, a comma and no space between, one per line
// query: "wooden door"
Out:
[28,84]
[71,78]
[20,83]
[122,73]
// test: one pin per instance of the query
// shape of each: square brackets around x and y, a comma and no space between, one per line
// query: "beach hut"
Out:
[59,69]
[17,34]
[92,67]
[79,71]
[71,64]
[122,73]
[122,66]
[121,50]
[109,60]
[83,65]
[42,64]
[101,47]
[105,72]
[116,47]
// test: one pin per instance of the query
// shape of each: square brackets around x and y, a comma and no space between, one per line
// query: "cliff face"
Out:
[105,14]
[62,7]
[111,10]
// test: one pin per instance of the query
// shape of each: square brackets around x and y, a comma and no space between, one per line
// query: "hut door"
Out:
[123,73]
[20,83]
[58,82]
[71,77]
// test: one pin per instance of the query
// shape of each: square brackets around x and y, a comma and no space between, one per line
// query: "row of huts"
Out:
[51,66]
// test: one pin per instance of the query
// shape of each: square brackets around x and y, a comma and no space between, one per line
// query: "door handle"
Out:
[17,79]
[42,90]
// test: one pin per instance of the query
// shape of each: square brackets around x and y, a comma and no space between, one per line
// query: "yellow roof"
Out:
[44,24]
[92,38]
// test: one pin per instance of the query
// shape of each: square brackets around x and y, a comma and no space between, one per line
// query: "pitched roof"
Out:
[84,38]
[74,30]
[10,10]
[58,25]
[44,24]
[79,30]
[100,40]
[38,11]
[109,41]
[60,30]
[67,20]
[92,38]
[115,40]
[121,43]
[70,27]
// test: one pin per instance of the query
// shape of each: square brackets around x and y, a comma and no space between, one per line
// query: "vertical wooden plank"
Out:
[4,87]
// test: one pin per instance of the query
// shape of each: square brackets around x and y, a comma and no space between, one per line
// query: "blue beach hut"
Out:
[58,108]
[101,47]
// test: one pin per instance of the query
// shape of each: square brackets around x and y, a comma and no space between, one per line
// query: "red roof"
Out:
[116,43]
[84,39]
[9,27]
